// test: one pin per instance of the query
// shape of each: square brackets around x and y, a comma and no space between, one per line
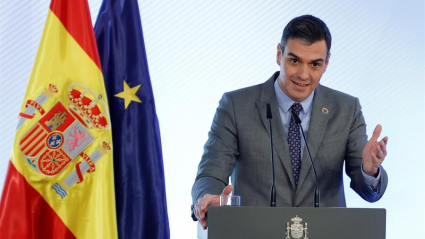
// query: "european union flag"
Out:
[139,174]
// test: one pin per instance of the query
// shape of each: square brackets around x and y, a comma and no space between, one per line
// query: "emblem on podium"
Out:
[296,230]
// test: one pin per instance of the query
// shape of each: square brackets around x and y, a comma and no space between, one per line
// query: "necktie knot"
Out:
[297,107]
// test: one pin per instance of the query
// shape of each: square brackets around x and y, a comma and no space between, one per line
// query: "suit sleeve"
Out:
[356,142]
[220,152]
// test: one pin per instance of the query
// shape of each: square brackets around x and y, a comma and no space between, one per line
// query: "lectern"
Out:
[295,223]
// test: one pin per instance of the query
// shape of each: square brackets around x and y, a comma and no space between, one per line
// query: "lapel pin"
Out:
[325,111]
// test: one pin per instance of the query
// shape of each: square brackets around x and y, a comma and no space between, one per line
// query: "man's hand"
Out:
[209,200]
[374,153]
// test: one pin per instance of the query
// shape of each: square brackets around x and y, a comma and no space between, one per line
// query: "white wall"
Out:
[197,50]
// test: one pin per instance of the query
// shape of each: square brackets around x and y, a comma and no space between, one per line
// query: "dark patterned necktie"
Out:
[294,142]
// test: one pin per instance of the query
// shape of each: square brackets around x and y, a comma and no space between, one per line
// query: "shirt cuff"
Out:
[372,181]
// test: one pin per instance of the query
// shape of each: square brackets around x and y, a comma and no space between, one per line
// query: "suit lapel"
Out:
[280,143]
[316,131]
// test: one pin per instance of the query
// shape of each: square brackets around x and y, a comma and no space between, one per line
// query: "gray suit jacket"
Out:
[239,146]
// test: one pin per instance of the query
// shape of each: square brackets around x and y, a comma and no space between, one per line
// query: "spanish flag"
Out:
[60,180]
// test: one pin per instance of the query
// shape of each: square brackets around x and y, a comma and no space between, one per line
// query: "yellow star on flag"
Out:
[129,94]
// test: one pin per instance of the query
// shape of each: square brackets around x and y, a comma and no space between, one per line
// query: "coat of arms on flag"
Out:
[62,133]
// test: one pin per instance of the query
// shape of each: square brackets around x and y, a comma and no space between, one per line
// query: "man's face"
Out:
[301,67]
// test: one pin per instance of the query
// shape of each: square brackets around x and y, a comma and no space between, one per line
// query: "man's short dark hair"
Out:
[308,29]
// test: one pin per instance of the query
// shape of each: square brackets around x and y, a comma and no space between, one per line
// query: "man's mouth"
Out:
[303,85]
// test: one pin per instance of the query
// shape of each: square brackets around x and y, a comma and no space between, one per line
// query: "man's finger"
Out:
[227,190]
[203,223]
[378,151]
[375,161]
[199,213]
[206,201]
[383,147]
[385,139]
[198,206]
[196,211]
[376,133]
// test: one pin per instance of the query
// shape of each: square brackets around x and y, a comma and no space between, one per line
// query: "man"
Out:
[238,143]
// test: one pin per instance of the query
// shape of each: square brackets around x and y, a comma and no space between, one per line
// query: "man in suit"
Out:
[238,143]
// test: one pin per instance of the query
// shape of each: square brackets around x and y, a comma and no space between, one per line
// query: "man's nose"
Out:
[303,72]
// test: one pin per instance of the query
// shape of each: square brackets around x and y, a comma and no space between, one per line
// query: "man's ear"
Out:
[278,54]
[327,62]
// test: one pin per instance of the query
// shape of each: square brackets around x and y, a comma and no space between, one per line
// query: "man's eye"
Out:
[316,64]
[294,60]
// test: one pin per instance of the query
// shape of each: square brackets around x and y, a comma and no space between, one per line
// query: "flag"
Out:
[139,175]
[60,181]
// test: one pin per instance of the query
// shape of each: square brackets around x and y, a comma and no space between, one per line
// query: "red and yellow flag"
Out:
[60,178]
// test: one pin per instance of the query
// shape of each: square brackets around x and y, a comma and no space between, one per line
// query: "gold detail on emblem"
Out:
[62,187]
[36,105]
[56,121]
[49,92]
[296,230]
[53,161]
[325,111]
[103,149]
[88,106]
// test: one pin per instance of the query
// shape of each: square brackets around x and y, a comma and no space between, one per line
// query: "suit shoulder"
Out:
[262,91]
[337,95]
[250,92]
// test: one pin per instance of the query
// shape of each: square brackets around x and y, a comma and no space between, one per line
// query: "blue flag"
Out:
[138,167]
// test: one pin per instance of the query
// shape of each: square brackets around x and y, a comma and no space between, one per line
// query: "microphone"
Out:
[272,190]
[316,187]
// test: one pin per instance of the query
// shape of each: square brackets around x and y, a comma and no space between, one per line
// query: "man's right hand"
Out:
[206,201]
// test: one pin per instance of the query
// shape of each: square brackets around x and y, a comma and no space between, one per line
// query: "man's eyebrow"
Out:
[316,60]
[292,54]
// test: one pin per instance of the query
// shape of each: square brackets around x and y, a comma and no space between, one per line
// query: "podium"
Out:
[295,223]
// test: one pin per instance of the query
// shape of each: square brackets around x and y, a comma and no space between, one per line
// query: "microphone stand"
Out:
[316,187]
[273,189]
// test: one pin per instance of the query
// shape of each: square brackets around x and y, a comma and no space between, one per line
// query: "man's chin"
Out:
[298,96]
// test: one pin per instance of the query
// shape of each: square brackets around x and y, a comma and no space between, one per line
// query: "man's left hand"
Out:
[374,153]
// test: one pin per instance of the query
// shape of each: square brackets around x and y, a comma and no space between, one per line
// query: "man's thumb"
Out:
[227,190]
